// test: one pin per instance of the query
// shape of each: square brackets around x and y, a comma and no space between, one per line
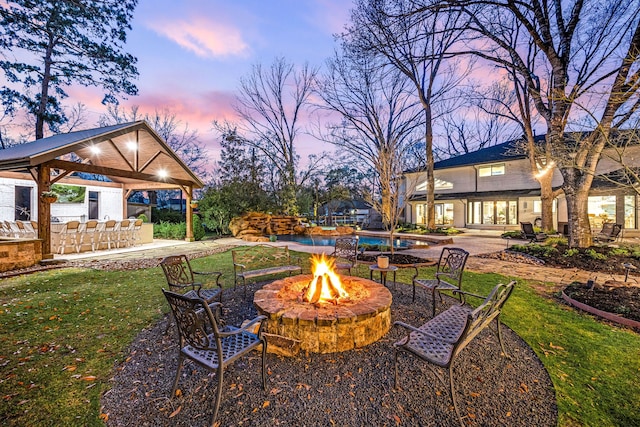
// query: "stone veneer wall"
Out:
[19,253]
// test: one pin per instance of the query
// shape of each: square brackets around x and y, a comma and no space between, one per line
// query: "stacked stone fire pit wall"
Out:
[326,328]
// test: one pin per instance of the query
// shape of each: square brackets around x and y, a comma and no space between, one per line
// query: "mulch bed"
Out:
[396,259]
[623,301]
[353,388]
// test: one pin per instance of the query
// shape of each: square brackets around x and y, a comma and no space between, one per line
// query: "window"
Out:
[493,212]
[629,211]
[601,209]
[491,170]
[444,213]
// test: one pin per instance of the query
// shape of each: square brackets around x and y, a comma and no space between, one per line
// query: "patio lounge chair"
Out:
[609,233]
[209,345]
[528,233]
[448,274]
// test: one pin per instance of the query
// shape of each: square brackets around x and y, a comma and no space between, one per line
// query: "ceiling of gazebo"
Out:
[131,154]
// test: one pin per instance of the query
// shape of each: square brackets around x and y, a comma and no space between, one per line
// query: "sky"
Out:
[192,53]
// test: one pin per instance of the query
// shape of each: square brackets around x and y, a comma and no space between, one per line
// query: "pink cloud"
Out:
[206,38]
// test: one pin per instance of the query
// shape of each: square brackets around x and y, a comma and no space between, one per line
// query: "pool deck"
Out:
[474,241]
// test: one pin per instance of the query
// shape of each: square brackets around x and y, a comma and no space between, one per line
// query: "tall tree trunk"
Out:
[428,139]
[577,198]
[547,196]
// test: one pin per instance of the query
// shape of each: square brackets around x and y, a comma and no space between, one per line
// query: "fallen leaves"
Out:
[176,412]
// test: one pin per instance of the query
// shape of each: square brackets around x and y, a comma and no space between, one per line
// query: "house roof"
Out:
[129,153]
[510,150]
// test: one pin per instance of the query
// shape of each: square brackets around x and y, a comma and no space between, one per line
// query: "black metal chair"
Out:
[448,274]
[345,253]
[442,338]
[207,344]
[609,233]
[180,278]
[528,233]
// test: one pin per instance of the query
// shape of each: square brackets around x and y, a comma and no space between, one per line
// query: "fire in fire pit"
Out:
[325,285]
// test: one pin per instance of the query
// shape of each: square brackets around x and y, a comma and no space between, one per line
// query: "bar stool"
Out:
[108,233]
[136,237]
[123,233]
[69,236]
[88,235]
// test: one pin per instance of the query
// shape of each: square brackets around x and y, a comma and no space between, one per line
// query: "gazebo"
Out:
[132,155]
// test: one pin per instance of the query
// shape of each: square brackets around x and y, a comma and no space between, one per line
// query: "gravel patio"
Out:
[353,388]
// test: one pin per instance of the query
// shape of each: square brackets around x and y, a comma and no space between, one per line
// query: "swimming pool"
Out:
[317,240]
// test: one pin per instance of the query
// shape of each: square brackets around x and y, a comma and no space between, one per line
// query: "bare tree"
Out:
[418,46]
[584,52]
[270,105]
[379,119]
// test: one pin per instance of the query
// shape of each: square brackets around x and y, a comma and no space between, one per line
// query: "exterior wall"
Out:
[8,197]
[109,206]
[110,199]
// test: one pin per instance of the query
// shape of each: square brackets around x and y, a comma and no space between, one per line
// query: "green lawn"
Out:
[61,331]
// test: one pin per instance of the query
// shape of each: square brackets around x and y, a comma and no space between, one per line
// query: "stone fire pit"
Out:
[325,327]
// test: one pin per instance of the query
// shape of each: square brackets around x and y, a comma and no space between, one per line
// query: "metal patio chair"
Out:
[207,344]
[345,253]
[442,338]
[181,278]
[448,274]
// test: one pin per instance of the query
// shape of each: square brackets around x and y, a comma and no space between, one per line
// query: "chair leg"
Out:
[452,393]
[218,396]
[178,371]
[500,338]
[264,354]
[433,299]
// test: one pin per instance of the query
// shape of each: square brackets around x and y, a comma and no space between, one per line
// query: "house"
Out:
[494,188]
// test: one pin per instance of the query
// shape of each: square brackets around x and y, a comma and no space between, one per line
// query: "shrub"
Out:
[167,215]
[198,228]
[619,252]
[556,241]
[538,251]
[143,217]
[167,230]
[513,234]
[591,253]
[570,252]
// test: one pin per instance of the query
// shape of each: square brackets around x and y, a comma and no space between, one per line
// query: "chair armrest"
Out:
[416,330]
[458,291]
[245,328]
[218,274]
[241,266]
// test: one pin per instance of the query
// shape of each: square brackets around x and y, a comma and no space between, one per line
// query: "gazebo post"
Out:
[44,211]
[189,192]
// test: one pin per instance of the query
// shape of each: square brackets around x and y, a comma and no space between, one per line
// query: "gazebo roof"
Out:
[131,154]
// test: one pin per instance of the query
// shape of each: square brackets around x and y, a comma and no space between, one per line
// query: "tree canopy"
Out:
[49,45]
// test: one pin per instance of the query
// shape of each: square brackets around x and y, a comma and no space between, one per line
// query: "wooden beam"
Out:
[101,170]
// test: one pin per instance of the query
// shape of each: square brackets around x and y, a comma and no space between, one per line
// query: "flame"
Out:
[325,285]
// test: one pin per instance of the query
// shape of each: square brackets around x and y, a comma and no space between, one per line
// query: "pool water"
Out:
[331,240]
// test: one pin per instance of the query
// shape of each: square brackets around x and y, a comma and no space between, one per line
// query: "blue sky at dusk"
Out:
[192,53]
